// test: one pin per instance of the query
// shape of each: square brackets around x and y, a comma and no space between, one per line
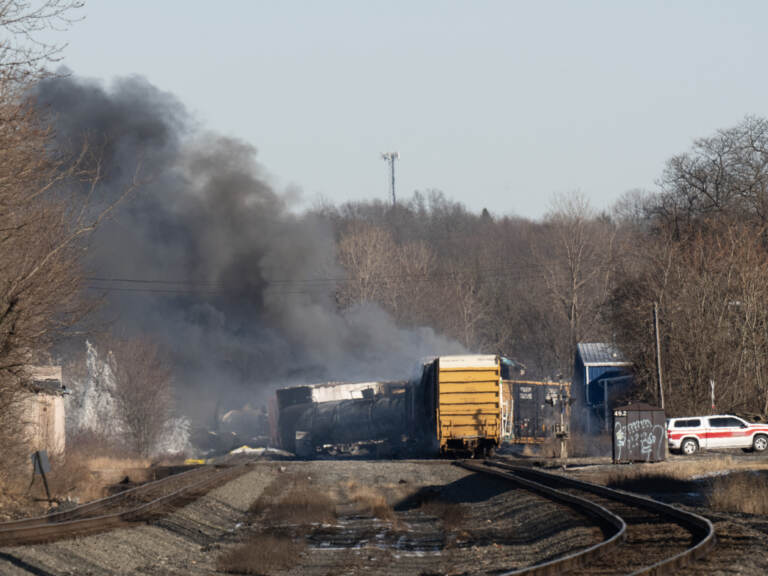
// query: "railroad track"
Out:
[140,504]
[642,536]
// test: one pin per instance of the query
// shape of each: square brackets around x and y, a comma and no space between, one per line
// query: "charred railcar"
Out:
[535,412]
[459,404]
[340,415]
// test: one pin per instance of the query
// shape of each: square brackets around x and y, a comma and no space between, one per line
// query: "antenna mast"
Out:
[390,158]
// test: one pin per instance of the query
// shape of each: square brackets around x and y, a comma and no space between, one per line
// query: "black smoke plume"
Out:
[241,288]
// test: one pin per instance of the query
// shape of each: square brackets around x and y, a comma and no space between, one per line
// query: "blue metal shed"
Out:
[599,368]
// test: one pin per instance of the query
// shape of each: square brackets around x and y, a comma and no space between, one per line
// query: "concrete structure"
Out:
[43,409]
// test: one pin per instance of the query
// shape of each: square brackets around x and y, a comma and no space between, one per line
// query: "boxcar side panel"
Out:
[469,403]
[536,410]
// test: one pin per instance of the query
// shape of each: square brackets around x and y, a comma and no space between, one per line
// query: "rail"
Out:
[138,504]
[615,526]
[552,485]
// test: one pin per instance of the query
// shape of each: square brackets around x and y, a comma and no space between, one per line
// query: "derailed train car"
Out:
[534,412]
[339,415]
[465,395]
[458,405]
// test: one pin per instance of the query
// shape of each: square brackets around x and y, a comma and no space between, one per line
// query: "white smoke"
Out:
[91,408]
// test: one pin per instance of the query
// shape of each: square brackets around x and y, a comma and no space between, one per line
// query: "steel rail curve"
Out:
[615,525]
[699,527]
[100,504]
[70,523]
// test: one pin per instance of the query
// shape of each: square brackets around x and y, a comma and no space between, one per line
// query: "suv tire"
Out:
[760,443]
[689,447]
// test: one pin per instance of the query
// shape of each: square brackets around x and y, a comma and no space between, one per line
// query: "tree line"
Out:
[696,247]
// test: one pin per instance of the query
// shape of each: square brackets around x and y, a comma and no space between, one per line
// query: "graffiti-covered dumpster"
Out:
[639,433]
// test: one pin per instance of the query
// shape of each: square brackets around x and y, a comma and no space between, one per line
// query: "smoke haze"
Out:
[243,289]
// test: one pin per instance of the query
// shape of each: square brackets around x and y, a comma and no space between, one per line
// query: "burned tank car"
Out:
[339,416]
[342,424]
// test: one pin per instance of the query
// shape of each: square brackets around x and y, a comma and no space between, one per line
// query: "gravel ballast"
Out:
[500,526]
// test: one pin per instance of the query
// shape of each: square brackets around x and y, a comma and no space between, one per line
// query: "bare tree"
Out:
[722,176]
[699,249]
[573,252]
[23,55]
[396,276]
[711,290]
[46,207]
[367,254]
[142,392]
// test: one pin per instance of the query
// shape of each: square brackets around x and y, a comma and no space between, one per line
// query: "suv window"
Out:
[724,422]
[687,423]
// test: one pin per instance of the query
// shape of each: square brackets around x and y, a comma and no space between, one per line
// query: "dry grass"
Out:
[744,492]
[82,473]
[119,463]
[261,554]
[452,514]
[677,470]
[293,499]
[370,501]
[71,479]
[79,476]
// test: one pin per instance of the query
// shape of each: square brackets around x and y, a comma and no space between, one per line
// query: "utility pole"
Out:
[658,352]
[390,157]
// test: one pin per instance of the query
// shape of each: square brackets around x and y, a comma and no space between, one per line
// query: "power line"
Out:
[305,286]
[527,270]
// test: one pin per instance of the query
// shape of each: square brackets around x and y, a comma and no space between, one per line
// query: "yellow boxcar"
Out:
[468,407]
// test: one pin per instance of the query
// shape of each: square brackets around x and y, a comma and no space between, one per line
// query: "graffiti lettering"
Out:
[639,436]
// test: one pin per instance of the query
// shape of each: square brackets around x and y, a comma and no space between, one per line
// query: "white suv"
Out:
[688,435]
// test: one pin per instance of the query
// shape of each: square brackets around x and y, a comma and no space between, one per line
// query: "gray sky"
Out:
[498,104]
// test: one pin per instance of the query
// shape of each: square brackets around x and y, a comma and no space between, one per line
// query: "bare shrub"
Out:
[142,391]
[94,444]
[71,478]
[452,514]
[745,492]
[369,501]
[261,554]
[294,500]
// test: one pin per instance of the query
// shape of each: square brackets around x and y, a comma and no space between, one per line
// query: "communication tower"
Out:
[390,158]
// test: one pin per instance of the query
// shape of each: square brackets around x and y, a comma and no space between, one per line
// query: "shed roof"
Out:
[601,354]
